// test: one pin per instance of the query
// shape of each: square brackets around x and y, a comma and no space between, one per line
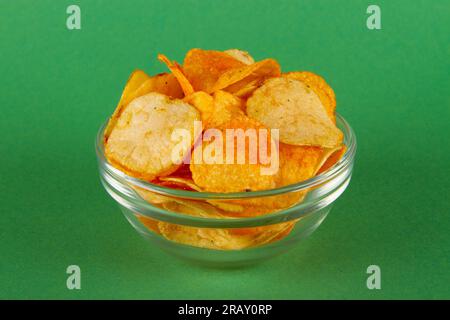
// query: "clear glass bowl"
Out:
[228,229]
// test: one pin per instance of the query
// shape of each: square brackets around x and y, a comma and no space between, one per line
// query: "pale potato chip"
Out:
[211,238]
[320,87]
[225,239]
[222,205]
[151,196]
[203,67]
[232,176]
[178,73]
[180,205]
[141,142]
[140,84]
[136,79]
[235,79]
[272,233]
[242,56]
[290,106]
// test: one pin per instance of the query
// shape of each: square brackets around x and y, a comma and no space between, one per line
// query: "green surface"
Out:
[58,86]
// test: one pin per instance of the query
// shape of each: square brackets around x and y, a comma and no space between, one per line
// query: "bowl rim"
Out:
[329,174]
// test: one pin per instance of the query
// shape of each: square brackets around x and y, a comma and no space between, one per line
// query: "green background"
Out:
[57,87]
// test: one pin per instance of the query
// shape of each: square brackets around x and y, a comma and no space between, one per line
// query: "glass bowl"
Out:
[228,229]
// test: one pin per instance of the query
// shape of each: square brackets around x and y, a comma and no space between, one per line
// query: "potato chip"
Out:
[320,87]
[140,84]
[193,208]
[203,67]
[150,223]
[151,196]
[235,79]
[178,73]
[290,106]
[225,239]
[182,181]
[297,163]
[141,143]
[227,206]
[180,205]
[209,238]
[273,233]
[136,79]
[222,205]
[164,83]
[242,56]
[244,90]
[231,176]
[216,109]
[226,107]
[208,209]
[203,102]
[332,159]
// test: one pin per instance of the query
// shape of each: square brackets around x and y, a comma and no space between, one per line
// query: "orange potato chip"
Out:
[150,223]
[242,56]
[216,109]
[236,79]
[178,73]
[164,83]
[226,107]
[320,87]
[233,176]
[203,67]
[141,142]
[203,102]
[332,159]
[246,88]
[297,163]
[290,106]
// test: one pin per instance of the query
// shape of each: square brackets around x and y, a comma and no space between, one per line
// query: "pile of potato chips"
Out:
[224,90]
